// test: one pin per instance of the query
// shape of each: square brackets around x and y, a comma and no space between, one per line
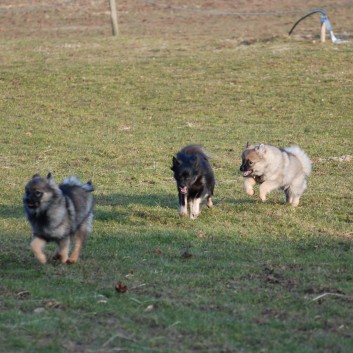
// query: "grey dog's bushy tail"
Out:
[74,181]
[303,158]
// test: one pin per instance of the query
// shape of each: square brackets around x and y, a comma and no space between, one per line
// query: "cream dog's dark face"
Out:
[253,160]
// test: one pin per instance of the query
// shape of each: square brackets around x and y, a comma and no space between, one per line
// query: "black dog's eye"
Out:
[250,163]
[38,193]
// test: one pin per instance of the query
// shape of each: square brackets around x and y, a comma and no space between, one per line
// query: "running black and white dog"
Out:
[194,178]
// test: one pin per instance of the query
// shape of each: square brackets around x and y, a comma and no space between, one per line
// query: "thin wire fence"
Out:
[158,4]
[34,7]
[30,17]
[241,14]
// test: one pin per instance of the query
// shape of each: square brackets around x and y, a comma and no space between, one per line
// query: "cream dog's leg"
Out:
[249,183]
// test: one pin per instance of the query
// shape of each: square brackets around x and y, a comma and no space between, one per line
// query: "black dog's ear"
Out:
[36,176]
[247,145]
[49,176]
[176,163]
[196,161]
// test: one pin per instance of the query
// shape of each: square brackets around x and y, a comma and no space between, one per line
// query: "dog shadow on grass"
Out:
[12,211]
[123,206]
[153,200]
[243,201]
[150,200]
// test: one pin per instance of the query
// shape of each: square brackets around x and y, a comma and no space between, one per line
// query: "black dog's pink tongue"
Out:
[184,190]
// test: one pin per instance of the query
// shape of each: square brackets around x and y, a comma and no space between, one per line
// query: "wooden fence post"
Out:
[114,17]
[323,32]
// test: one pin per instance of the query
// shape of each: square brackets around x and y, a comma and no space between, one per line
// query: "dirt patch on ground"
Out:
[243,20]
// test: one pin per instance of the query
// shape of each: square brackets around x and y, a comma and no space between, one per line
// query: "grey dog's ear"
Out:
[261,149]
[51,180]
[36,176]
[247,145]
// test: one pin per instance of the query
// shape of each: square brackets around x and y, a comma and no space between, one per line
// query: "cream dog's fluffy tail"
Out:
[302,156]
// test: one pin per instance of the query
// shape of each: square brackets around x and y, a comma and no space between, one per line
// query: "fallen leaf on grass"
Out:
[273,279]
[186,255]
[149,308]
[102,301]
[124,128]
[52,304]
[157,251]
[130,274]
[23,294]
[271,276]
[201,235]
[39,310]
[119,287]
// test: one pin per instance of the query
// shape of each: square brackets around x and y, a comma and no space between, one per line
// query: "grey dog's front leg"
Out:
[63,251]
[37,246]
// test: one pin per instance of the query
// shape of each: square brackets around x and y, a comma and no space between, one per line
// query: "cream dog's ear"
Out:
[261,149]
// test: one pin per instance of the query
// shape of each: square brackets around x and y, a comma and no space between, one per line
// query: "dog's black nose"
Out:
[241,168]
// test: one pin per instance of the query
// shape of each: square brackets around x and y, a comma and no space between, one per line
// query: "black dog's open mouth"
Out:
[184,190]
[247,173]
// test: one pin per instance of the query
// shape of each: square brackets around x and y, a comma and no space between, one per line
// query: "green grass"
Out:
[115,111]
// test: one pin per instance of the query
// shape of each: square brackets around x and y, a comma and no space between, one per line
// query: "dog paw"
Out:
[42,260]
[193,216]
[71,261]
[209,203]
[250,192]
[59,257]
[183,214]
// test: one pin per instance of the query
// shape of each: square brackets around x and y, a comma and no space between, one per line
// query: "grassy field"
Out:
[262,277]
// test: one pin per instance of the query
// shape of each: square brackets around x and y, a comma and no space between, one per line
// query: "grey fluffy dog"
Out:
[58,213]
